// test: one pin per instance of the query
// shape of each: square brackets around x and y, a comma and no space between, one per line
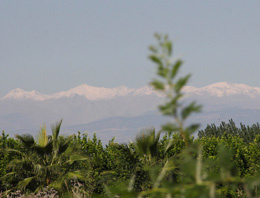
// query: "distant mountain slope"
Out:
[121,110]
[122,128]
[126,128]
[75,110]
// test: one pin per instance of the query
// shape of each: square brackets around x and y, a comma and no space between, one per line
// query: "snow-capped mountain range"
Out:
[122,111]
[225,89]
[87,91]
[100,93]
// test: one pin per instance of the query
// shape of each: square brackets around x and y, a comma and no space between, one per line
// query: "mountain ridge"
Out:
[87,91]
[226,89]
[101,93]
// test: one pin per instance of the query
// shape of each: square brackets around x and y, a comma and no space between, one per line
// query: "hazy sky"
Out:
[52,46]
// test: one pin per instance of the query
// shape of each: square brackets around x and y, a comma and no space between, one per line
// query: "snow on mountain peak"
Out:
[84,90]
[94,93]
[101,93]
[21,94]
[226,89]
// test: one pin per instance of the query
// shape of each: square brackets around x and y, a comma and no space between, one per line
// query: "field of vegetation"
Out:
[223,161]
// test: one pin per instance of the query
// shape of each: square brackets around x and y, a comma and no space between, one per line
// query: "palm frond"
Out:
[77,157]
[44,150]
[17,162]
[22,184]
[76,174]
[63,146]
[42,137]
[56,131]
[146,142]
[61,182]
[7,175]
[154,146]
[9,150]
[55,135]
[26,139]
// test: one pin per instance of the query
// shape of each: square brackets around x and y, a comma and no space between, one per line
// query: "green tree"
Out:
[147,145]
[247,133]
[6,143]
[45,161]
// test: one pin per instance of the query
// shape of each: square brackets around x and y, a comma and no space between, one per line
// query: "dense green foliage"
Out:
[222,162]
[6,143]
[247,133]
[115,164]
[45,162]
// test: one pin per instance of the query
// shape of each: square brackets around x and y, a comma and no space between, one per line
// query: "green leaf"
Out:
[25,182]
[192,128]
[156,60]
[181,83]
[76,157]
[76,174]
[168,45]
[190,109]
[168,109]
[12,150]
[26,139]
[57,185]
[158,85]
[55,131]
[153,49]
[42,137]
[170,127]
[7,175]
[157,36]
[176,68]
[163,72]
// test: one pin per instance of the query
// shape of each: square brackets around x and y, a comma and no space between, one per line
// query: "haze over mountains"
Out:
[121,111]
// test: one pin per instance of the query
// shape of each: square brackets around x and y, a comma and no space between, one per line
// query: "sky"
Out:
[51,46]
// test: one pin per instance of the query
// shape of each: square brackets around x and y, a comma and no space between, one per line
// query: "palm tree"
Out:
[46,161]
[146,145]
